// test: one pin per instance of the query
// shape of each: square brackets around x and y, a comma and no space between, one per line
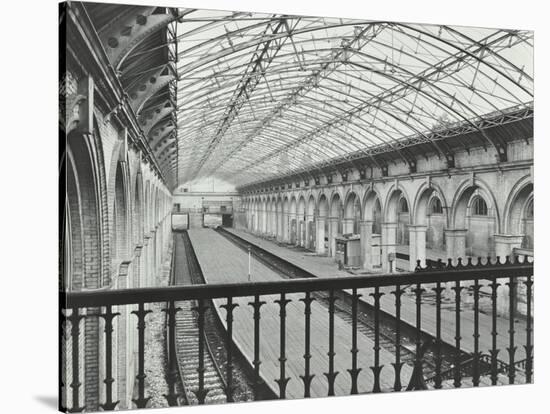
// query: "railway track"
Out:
[187,335]
[387,339]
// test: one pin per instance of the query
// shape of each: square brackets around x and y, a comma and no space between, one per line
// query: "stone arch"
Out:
[335,226]
[120,233]
[398,210]
[435,220]
[293,220]
[270,214]
[279,217]
[301,221]
[479,230]
[352,213]
[518,212]
[336,203]
[311,206]
[393,200]
[85,248]
[322,205]
[301,207]
[372,210]
[311,231]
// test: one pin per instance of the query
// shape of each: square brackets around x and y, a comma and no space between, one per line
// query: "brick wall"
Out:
[107,203]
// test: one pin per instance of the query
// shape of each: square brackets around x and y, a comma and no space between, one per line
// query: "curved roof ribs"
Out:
[259,63]
[431,75]
[260,99]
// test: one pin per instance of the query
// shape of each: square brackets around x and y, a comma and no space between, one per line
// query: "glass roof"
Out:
[261,96]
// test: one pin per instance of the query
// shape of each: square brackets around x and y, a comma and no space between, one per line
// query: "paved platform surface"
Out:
[223,262]
[326,267]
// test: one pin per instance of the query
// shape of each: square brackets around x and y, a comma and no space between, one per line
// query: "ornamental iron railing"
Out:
[443,286]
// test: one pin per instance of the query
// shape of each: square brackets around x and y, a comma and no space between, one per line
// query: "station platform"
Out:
[326,267]
[223,262]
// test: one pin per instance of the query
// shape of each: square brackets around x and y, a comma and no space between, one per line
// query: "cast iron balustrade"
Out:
[465,283]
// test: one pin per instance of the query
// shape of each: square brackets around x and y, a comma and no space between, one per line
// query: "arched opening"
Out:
[119,234]
[520,216]
[336,222]
[285,217]
[395,232]
[527,225]
[352,214]
[371,233]
[273,225]
[403,220]
[301,222]
[322,225]
[292,225]
[430,212]
[280,219]
[311,223]
[82,256]
[398,212]
[475,213]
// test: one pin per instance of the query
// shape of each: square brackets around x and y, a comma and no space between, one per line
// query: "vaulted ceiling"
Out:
[248,97]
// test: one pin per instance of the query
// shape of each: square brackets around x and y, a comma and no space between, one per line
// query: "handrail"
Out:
[95,298]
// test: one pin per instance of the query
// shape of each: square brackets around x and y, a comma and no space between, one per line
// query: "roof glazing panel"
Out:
[265,95]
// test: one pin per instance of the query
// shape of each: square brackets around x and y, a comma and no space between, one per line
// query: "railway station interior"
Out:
[212,147]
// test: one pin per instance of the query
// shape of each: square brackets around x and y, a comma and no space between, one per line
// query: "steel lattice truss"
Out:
[262,96]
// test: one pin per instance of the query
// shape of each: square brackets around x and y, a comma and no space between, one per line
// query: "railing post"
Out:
[512,348]
[331,374]
[494,350]
[172,396]
[229,307]
[417,379]
[457,363]
[307,377]
[141,401]
[75,319]
[354,371]
[283,380]
[257,378]
[377,368]
[438,342]
[398,364]
[201,392]
[476,354]
[109,403]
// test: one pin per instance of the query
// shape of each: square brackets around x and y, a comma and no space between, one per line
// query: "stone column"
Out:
[280,219]
[347,225]
[375,260]
[504,246]
[366,244]
[299,230]
[417,245]
[320,237]
[286,233]
[389,233]
[307,243]
[332,232]
[455,241]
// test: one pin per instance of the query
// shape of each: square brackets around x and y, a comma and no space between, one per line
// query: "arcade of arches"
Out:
[430,215]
